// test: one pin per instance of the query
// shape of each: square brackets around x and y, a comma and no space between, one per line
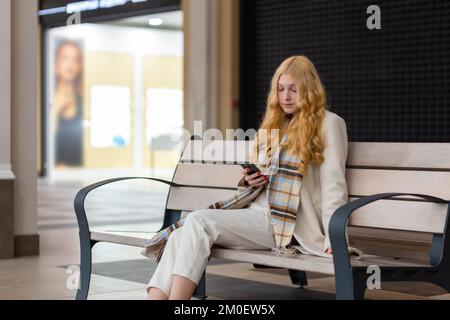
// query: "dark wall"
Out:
[389,85]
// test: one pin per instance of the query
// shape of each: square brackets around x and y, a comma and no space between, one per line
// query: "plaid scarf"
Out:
[283,196]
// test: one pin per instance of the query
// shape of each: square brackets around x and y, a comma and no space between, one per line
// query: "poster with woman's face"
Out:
[68,99]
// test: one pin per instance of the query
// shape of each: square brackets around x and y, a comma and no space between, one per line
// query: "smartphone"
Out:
[253,168]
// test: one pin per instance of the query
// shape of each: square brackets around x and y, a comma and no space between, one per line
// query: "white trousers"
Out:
[188,248]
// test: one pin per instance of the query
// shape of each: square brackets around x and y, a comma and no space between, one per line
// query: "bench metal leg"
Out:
[444,279]
[86,246]
[200,292]
[443,268]
[351,289]
[360,277]
[348,282]
[437,275]
[298,278]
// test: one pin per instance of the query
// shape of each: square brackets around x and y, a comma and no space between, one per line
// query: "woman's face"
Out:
[68,63]
[288,94]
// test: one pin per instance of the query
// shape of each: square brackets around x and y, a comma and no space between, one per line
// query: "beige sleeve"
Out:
[333,183]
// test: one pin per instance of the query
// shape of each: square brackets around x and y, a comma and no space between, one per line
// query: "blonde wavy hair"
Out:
[304,131]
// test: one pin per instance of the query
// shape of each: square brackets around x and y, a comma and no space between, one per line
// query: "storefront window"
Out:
[114,93]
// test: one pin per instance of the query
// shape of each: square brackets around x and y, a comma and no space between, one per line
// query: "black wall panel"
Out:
[389,85]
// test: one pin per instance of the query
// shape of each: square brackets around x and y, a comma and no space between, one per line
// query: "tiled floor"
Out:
[121,272]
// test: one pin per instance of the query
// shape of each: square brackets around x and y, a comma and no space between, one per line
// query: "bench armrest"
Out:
[340,217]
[80,198]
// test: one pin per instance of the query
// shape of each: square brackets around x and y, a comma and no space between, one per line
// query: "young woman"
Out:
[297,106]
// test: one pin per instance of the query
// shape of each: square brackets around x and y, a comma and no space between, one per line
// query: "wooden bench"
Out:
[396,190]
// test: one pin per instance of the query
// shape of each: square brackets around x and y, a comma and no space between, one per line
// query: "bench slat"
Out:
[387,248]
[372,181]
[401,215]
[403,155]
[213,175]
[398,236]
[133,239]
[306,262]
[370,154]
[267,258]
[189,199]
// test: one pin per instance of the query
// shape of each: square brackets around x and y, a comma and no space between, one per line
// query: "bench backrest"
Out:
[399,167]
[400,228]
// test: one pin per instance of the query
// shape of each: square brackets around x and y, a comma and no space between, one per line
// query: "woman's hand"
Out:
[256,179]
[329,251]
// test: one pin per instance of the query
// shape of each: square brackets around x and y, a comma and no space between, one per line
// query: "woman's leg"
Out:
[239,229]
[188,249]
[175,287]
[161,281]
[182,288]
[156,294]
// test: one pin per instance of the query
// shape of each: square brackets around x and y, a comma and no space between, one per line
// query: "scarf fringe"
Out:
[161,251]
[284,250]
